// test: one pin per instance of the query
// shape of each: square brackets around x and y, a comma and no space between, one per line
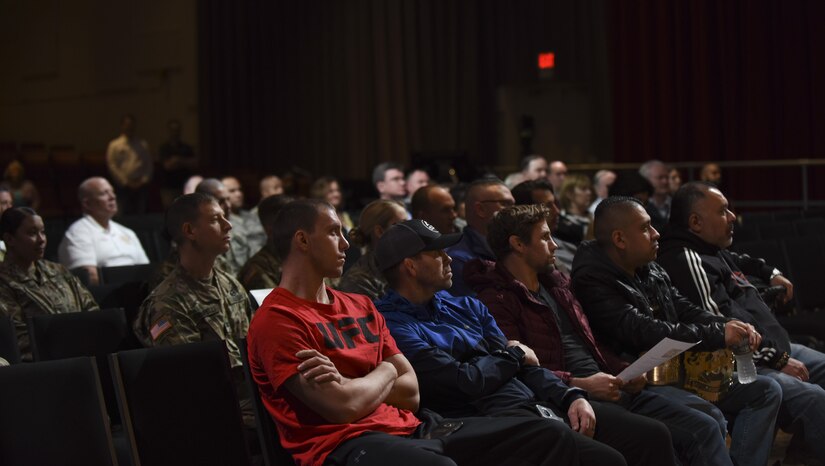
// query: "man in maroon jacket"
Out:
[532,303]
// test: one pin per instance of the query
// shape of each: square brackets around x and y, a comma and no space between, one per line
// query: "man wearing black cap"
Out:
[466,367]
[341,392]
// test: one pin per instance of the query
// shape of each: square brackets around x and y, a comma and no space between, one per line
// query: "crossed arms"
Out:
[341,400]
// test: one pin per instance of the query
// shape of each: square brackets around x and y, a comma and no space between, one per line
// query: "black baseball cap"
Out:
[407,239]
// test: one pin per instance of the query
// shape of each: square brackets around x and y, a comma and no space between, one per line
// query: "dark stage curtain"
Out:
[721,80]
[338,86]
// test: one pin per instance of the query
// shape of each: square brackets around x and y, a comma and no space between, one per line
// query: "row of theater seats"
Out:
[90,399]
[799,252]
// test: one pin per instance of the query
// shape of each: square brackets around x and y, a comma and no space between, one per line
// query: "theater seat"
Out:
[9,350]
[52,413]
[179,405]
[273,453]
[93,333]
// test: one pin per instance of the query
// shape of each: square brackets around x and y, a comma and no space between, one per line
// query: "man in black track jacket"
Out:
[694,253]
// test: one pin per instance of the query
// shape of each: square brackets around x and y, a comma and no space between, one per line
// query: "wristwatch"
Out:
[511,352]
[775,273]
[517,352]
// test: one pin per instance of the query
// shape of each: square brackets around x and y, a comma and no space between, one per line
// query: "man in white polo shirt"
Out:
[95,240]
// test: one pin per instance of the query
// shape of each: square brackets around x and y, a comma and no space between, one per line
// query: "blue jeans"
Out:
[754,407]
[803,403]
[696,436]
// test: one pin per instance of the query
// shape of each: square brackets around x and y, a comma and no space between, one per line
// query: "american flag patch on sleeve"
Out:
[159,327]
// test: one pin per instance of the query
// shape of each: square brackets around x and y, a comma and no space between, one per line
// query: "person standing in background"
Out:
[177,163]
[130,164]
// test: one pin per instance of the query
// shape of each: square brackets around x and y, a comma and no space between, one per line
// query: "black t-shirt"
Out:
[578,360]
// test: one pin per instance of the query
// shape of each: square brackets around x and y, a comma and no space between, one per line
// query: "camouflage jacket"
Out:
[364,278]
[47,289]
[172,260]
[247,224]
[238,252]
[183,310]
[263,270]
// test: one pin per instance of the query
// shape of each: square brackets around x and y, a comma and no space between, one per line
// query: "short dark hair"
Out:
[13,217]
[479,184]
[517,220]
[184,209]
[609,215]
[300,214]
[380,170]
[681,205]
[269,207]
[629,183]
[523,192]
[525,162]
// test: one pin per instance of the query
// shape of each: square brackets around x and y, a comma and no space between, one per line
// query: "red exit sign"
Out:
[547,60]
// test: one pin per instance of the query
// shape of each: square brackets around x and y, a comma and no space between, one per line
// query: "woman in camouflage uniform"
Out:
[30,285]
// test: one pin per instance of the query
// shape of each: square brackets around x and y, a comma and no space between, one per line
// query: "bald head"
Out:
[435,205]
[216,189]
[485,198]
[97,198]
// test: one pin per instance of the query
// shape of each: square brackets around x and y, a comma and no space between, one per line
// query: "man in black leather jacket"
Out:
[632,305]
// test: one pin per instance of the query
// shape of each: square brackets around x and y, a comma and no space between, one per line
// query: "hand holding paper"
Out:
[663,351]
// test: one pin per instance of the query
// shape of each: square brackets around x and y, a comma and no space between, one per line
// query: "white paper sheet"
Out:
[260,295]
[664,350]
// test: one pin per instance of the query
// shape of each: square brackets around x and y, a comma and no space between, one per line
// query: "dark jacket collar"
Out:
[680,238]
[394,302]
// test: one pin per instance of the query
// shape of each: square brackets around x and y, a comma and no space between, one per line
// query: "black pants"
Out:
[637,439]
[642,440]
[494,441]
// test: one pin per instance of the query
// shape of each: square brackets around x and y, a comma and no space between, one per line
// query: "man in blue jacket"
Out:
[465,365]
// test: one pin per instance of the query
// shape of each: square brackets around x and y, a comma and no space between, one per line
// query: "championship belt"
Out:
[666,373]
[708,374]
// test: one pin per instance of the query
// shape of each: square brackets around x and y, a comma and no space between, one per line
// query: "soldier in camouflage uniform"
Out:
[30,285]
[263,270]
[239,251]
[198,302]
[168,265]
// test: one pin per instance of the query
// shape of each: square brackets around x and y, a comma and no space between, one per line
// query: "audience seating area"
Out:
[793,242]
[179,406]
[53,414]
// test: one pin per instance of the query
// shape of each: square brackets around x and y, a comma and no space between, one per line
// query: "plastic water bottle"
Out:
[745,370]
